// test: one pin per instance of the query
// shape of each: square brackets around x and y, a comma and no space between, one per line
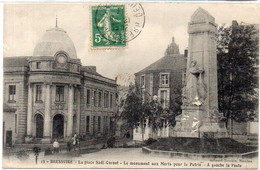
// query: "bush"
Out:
[22,154]
[125,145]
[111,141]
[149,141]
[48,151]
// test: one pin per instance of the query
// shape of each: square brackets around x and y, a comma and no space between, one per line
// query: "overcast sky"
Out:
[24,25]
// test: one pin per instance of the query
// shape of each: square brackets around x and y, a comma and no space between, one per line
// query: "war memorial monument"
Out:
[200,94]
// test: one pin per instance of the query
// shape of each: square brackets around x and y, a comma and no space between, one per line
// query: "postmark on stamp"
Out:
[108,26]
[115,25]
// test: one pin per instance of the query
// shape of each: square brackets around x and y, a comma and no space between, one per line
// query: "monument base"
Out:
[195,123]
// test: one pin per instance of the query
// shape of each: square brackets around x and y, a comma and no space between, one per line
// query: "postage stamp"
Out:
[113,26]
[108,26]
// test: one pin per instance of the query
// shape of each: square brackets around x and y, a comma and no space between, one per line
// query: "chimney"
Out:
[186,52]
[234,23]
[94,68]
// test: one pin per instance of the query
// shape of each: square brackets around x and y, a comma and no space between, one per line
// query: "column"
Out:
[47,115]
[29,115]
[70,111]
[78,110]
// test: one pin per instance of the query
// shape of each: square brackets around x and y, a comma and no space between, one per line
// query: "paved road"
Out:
[119,157]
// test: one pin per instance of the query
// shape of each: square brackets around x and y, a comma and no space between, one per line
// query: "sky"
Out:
[25,24]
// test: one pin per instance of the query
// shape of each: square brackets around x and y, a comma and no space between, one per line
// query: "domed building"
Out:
[163,79]
[50,95]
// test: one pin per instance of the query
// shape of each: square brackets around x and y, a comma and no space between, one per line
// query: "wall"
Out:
[19,79]
[9,119]
[91,110]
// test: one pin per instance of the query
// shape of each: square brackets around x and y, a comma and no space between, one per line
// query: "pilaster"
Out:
[47,115]
[28,138]
[70,111]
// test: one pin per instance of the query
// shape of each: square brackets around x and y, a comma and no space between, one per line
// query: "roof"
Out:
[15,61]
[8,108]
[175,62]
[91,70]
[55,40]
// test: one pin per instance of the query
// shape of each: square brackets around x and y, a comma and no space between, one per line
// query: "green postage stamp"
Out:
[108,26]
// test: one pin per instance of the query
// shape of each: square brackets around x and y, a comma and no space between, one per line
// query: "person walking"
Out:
[56,146]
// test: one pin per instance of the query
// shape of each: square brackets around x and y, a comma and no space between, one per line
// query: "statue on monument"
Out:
[194,92]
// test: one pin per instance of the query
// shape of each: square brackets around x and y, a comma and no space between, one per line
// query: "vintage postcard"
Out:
[158,85]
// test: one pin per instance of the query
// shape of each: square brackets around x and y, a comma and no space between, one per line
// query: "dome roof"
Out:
[55,40]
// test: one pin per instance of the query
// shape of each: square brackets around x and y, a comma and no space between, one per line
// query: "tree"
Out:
[174,108]
[237,54]
[141,109]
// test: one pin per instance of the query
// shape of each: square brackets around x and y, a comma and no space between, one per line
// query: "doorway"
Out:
[9,138]
[39,126]
[58,126]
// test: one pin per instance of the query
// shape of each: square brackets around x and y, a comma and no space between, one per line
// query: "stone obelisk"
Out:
[200,117]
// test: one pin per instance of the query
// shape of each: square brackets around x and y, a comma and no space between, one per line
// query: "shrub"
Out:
[149,141]
[22,154]
[48,151]
[111,141]
[125,145]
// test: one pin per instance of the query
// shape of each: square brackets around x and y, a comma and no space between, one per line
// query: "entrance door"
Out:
[39,126]
[58,126]
[9,138]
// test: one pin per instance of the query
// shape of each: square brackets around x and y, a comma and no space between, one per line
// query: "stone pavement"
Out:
[84,145]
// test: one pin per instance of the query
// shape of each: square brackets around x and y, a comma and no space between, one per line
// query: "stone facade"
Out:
[54,96]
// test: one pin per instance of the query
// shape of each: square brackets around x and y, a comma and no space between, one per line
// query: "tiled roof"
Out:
[15,61]
[175,62]
[8,108]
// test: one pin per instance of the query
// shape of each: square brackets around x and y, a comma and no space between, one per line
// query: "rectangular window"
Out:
[12,92]
[111,100]
[60,93]
[94,124]
[111,124]
[95,98]
[38,65]
[164,79]
[104,123]
[87,124]
[163,97]
[88,96]
[142,81]
[99,98]
[99,123]
[75,96]
[78,68]
[15,123]
[38,93]
[106,99]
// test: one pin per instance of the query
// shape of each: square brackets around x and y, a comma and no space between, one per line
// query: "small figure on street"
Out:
[37,151]
[75,140]
[68,146]
[56,146]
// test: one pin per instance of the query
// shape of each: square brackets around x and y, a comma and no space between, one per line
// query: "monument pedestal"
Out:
[194,122]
